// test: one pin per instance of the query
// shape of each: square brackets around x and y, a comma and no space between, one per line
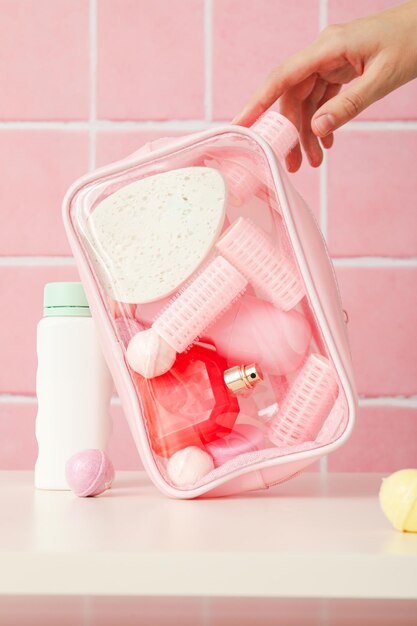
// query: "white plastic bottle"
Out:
[73,384]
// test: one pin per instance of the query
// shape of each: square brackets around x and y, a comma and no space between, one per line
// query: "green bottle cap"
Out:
[65,299]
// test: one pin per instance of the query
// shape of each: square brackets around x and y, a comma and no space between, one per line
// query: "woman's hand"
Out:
[379,50]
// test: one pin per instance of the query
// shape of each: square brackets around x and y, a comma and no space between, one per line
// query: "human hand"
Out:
[380,51]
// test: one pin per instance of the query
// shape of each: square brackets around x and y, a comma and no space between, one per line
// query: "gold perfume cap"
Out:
[243,377]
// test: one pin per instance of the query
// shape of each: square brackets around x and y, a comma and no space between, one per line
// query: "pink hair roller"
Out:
[281,135]
[278,131]
[153,351]
[271,272]
[307,404]
[209,294]
[241,182]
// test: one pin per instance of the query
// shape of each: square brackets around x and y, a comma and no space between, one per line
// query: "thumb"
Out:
[349,103]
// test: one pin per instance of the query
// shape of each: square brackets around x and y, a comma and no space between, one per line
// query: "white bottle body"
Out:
[74,388]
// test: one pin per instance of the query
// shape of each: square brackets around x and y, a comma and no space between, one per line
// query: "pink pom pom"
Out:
[89,473]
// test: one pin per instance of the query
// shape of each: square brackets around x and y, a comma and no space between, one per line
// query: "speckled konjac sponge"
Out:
[150,236]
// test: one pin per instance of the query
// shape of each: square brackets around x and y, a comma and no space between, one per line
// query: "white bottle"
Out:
[73,384]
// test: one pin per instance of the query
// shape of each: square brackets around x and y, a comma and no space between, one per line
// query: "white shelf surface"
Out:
[315,536]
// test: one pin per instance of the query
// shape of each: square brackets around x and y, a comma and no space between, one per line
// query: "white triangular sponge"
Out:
[151,235]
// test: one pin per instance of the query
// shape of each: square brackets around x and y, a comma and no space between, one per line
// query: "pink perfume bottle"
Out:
[272,272]
[189,405]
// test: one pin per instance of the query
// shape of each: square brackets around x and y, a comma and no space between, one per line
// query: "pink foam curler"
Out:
[200,304]
[242,182]
[271,272]
[243,438]
[307,404]
[152,352]
[278,131]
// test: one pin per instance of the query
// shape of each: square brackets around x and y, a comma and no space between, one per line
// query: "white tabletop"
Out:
[311,537]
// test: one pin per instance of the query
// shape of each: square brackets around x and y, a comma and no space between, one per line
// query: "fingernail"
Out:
[324,124]
[240,116]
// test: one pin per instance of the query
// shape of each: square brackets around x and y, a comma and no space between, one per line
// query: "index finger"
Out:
[281,79]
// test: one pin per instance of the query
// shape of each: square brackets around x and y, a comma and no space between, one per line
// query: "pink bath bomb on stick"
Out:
[89,473]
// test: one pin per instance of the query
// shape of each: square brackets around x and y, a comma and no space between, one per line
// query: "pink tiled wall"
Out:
[84,82]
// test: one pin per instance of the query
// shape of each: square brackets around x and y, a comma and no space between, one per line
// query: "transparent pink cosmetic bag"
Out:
[217,307]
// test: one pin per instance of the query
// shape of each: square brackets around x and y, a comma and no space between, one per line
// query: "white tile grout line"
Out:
[324,611]
[323,14]
[323,195]
[208,60]
[192,124]
[323,192]
[12,398]
[206,617]
[324,467]
[375,261]
[163,125]
[93,82]
[36,261]
[400,402]
[323,20]
[405,402]
[380,125]
[16,398]
[354,262]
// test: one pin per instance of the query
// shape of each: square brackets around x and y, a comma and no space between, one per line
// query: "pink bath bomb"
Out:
[89,473]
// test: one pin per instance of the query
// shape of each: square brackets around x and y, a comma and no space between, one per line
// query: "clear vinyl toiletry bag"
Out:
[217,308]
